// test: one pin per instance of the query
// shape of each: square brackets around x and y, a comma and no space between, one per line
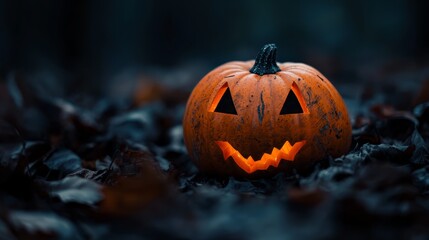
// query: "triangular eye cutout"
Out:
[223,102]
[292,105]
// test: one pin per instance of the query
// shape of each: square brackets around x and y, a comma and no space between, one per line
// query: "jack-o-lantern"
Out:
[257,118]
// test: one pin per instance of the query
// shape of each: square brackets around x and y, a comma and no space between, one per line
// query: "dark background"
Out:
[93,41]
[92,95]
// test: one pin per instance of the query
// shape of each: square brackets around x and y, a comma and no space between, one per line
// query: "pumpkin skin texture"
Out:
[260,107]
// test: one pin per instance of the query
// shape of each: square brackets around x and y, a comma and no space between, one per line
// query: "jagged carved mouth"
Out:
[286,152]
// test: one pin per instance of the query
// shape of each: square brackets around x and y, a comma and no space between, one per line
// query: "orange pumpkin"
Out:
[257,118]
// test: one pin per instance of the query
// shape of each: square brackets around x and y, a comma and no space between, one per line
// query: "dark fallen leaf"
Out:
[337,173]
[41,225]
[387,111]
[73,189]
[99,176]
[80,122]
[133,158]
[396,129]
[138,125]
[366,134]
[385,152]
[105,108]
[420,156]
[421,112]
[97,149]
[347,166]
[62,163]
[105,164]
[18,158]
[131,195]
[140,183]
[35,150]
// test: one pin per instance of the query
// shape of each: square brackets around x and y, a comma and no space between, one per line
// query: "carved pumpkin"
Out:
[257,118]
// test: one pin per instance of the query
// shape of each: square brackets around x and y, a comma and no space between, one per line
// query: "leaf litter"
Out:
[82,167]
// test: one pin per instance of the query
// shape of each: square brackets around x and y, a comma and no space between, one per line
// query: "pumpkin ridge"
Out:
[239,73]
[318,75]
[329,86]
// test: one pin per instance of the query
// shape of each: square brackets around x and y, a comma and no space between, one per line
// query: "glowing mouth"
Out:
[286,152]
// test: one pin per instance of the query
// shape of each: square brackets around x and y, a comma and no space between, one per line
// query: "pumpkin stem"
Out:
[265,62]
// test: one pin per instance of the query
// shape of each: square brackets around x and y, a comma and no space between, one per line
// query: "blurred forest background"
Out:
[91,42]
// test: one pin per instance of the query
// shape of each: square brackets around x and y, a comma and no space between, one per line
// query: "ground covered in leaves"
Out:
[74,166]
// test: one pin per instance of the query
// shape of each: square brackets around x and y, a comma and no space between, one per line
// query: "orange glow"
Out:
[287,152]
[301,100]
[218,97]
